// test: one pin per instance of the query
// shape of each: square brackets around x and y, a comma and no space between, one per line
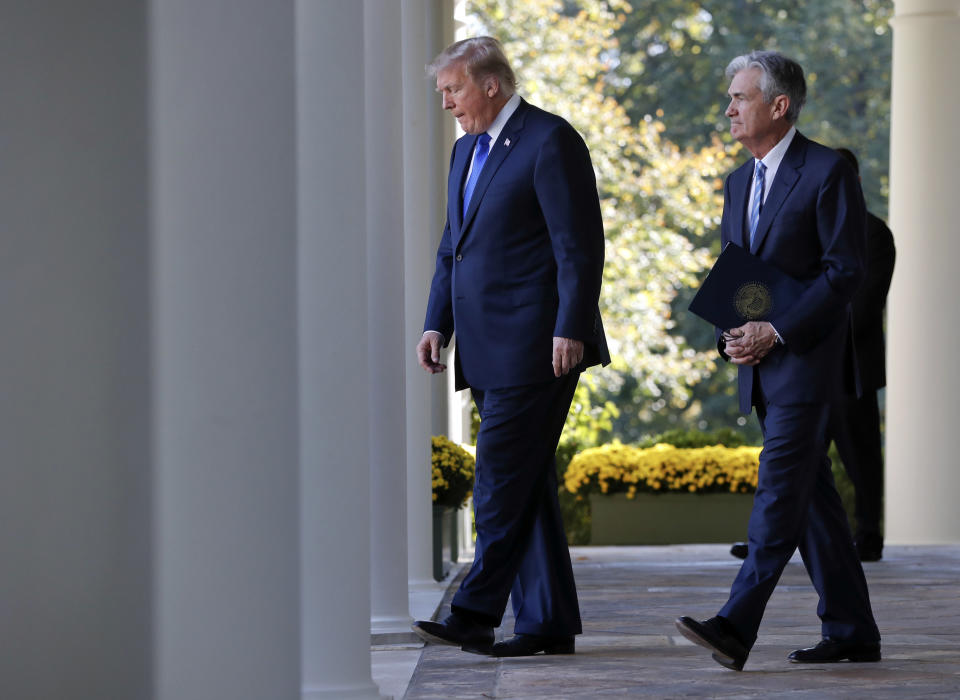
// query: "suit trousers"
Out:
[797,506]
[855,428]
[521,550]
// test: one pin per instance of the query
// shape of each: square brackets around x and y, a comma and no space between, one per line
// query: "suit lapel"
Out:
[458,174]
[787,175]
[739,185]
[499,151]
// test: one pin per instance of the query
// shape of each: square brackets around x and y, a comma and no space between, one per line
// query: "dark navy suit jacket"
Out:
[869,302]
[525,263]
[812,226]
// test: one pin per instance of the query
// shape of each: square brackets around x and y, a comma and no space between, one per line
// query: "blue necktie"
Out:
[757,202]
[479,158]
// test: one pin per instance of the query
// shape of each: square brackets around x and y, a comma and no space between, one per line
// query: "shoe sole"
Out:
[852,658]
[721,658]
[470,648]
[546,651]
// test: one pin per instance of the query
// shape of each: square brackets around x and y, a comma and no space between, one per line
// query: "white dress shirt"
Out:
[493,131]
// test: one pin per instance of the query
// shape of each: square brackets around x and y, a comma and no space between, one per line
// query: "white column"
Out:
[386,344]
[75,544]
[225,372]
[334,381]
[420,24]
[923,376]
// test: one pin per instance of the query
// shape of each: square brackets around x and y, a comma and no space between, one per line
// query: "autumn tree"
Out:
[643,82]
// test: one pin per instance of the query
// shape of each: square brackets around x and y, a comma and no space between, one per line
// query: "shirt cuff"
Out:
[779,337]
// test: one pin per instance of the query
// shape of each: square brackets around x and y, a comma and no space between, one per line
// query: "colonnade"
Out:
[218,221]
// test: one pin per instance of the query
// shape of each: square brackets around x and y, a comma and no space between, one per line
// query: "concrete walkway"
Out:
[629,597]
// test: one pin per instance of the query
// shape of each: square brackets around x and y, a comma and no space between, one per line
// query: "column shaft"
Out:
[923,378]
[420,25]
[386,344]
[75,540]
[224,285]
[334,383]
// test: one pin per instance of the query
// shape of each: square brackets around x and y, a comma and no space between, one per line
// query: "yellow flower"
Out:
[452,471]
[618,468]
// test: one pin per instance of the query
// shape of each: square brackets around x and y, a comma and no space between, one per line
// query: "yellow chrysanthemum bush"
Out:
[618,468]
[452,472]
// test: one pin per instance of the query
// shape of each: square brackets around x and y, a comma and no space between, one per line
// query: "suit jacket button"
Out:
[459,258]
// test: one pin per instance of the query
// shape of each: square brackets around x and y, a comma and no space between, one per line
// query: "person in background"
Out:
[855,422]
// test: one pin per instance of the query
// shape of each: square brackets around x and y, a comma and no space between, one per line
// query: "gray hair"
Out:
[779,75]
[482,56]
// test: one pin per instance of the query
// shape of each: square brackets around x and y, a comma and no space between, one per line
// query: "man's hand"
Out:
[428,352]
[567,354]
[750,343]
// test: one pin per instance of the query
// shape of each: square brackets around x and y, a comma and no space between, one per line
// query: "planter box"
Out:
[669,518]
[446,544]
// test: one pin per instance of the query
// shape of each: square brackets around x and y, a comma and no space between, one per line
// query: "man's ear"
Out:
[492,86]
[781,103]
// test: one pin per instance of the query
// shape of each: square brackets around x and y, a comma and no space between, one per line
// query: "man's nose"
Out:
[730,110]
[447,102]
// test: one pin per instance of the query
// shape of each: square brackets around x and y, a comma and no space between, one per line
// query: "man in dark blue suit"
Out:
[798,206]
[517,280]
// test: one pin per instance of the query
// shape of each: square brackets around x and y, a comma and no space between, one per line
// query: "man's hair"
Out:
[482,56]
[852,159]
[779,75]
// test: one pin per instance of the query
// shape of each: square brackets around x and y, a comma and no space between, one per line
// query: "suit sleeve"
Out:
[439,315]
[567,193]
[725,237]
[841,231]
[870,299]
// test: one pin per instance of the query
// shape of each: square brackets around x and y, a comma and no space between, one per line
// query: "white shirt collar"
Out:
[501,119]
[773,159]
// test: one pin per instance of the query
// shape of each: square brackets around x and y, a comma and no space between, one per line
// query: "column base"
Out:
[383,626]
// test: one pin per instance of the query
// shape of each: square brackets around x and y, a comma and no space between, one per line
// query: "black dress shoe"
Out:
[530,644]
[830,651]
[715,634]
[457,630]
[869,547]
[739,550]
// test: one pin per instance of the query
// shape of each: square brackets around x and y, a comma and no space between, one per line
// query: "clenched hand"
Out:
[567,354]
[750,343]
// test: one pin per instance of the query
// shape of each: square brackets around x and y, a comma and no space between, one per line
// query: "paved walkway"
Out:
[629,597]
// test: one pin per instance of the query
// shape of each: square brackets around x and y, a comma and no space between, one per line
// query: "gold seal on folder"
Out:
[753,300]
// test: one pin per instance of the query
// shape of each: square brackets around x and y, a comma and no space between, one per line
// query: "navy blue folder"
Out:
[741,287]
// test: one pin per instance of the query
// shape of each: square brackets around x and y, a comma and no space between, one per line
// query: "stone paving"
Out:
[630,596]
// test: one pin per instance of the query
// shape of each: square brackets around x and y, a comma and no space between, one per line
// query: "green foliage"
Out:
[672,54]
[697,438]
[587,425]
